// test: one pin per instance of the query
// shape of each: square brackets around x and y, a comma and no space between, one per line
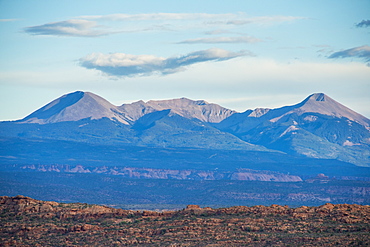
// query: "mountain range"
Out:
[80,147]
[318,127]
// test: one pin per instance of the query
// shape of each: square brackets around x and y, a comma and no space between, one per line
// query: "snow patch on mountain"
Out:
[349,143]
[289,129]
[258,112]
[310,118]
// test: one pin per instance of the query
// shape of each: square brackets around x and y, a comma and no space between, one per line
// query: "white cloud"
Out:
[159,16]
[214,40]
[89,26]
[240,84]
[263,20]
[8,20]
[122,60]
[217,31]
[259,82]
[239,18]
[74,27]
[121,65]
[360,52]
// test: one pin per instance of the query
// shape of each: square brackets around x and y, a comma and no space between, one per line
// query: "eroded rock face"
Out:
[25,205]
[151,173]
[192,207]
[29,222]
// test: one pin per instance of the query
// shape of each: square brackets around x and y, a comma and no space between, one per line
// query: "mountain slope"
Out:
[167,128]
[315,103]
[184,107]
[324,105]
[317,127]
[202,110]
[73,107]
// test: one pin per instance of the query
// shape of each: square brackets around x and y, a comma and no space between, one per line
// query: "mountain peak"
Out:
[177,102]
[73,107]
[318,96]
[258,112]
[188,108]
[53,108]
[322,104]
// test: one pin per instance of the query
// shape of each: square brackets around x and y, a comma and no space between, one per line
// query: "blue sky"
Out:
[239,54]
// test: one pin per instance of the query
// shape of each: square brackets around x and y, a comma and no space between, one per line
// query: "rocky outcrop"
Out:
[192,207]
[24,223]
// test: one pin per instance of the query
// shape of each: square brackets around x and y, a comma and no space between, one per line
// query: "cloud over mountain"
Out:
[360,52]
[121,64]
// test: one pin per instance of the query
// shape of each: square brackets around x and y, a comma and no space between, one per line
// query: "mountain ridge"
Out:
[317,127]
[79,105]
[199,109]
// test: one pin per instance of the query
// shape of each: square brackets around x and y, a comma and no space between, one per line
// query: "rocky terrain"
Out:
[29,222]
